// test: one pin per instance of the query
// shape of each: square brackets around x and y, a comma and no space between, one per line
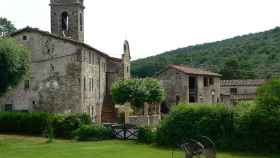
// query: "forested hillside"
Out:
[251,56]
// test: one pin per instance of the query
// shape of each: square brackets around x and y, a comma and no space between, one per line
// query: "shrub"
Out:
[146,135]
[37,123]
[23,123]
[268,95]
[92,132]
[245,128]
[189,121]
[257,130]
[65,125]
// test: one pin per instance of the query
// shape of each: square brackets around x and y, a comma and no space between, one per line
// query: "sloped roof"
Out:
[225,83]
[36,30]
[193,71]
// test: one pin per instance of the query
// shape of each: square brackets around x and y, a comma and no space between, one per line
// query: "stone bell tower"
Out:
[126,60]
[67,18]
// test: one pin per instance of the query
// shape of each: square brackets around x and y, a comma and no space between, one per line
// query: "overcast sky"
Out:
[154,26]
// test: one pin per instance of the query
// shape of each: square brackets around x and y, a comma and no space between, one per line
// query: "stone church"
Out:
[67,75]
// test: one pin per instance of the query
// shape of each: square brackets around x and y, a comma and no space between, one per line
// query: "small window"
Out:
[85,88]
[26,84]
[89,58]
[24,38]
[89,88]
[127,69]
[81,21]
[91,84]
[9,107]
[211,80]
[52,67]
[34,102]
[233,91]
[206,81]
[92,60]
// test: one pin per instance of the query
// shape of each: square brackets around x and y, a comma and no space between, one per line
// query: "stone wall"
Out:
[243,93]
[144,120]
[94,68]
[54,78]
[176,85]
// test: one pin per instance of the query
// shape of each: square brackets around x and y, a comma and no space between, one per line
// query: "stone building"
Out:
[234,91]
[184,84]
[67,75]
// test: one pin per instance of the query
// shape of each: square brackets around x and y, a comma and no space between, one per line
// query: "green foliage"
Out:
[12,146]
[50,130]
[23,123]
[65,125]
[93,132]
[41,123]
[15,61]
[268,95]
[137,92]
[190,121]
[257,130]
[256,55]
[146,135]
[242,129]
[6,26]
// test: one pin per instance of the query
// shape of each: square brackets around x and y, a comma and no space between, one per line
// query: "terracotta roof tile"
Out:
[193,71]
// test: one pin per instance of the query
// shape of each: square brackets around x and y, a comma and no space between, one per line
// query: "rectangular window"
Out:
[206,81]
[233,91]
[92,60]
[26,84]
[89,58]
[9,107]
[92,84]
[85,88]
[211,80]
[81,21]
[89,84]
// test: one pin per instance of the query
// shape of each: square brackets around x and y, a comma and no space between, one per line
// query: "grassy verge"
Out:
[33,147]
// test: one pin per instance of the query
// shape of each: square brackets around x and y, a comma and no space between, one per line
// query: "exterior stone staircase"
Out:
[109,114]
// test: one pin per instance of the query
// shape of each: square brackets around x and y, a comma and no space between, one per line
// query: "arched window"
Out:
[65,21]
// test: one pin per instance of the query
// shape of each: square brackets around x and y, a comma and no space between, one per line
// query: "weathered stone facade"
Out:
[67,76]
[189,85]
[234,91]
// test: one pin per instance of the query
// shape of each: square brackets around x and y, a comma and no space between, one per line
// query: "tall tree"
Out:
[137,92]
[231,69]
[15,61]
[6,26]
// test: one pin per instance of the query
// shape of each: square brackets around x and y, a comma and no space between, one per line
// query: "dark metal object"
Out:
[201,147]
[125,131]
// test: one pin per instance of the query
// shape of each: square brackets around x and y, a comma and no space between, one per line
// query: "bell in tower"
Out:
[67,18]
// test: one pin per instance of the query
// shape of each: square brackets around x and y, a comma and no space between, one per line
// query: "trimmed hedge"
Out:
[23,123]
[37,123]
[253,129]
[93,132]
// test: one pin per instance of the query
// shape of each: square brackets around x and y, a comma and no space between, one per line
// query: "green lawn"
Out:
[32,147]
